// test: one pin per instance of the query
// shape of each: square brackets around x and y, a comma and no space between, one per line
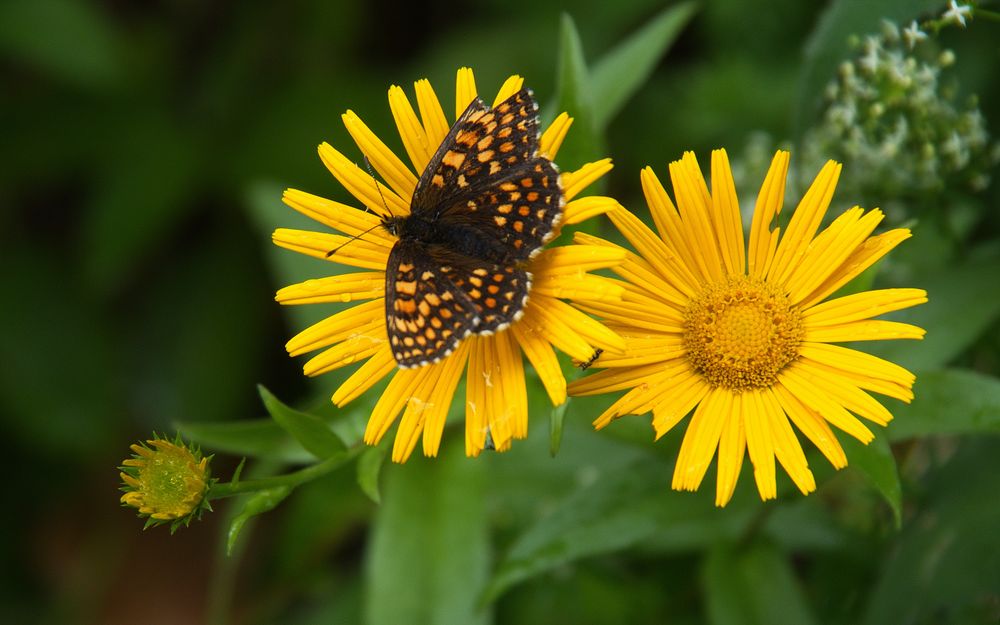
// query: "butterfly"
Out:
[485,204]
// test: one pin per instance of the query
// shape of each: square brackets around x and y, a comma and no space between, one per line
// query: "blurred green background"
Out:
[145,146]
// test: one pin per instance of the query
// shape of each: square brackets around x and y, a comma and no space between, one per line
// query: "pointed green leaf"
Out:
[877,464]
[258,503]
[556,419]
[255,438]
[582,145]
[623,71]
[429,554]
[369,467]
[753,586]
[951,401]
[309,430]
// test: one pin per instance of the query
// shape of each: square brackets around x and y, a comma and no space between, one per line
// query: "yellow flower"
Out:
[496,398]
[745,340]
[166,481]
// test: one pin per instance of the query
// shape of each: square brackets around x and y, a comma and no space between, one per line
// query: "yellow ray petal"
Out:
[342,217]
[545,320]
[624,312]
[764,240]
[644,349]
[726,215]
[815,398]
[896,390]
[576,181]
[349,251]
[760,444]
[539,352]
[812,425]
[575,260]
[416,412]
[732,448]
[368,375]
[859,306]
[344,288]
[400,389]
[830,249]
[612,380]
[385,162]
[639,272]
[787,448]
[701,439]
[411,131]
[863,257]
[349,351]
[444,393]
[856,362]
[363,319]
[432,115]
[500,416]
[510,86]
[650,247]
[586,287]
[842,391]
[591,331]
[465,90]
[695,206]
[515,393]
[476,399]
[863,331]
[671,410]
[359,183]
[668,223]
[552,138]
[584,208]
[804,222]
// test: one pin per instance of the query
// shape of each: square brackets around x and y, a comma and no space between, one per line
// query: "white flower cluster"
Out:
[896,125]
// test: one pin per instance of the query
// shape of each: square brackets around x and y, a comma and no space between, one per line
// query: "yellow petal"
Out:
[359,183]
[856,362]
[400,389]
[364,319]
[385,162]
[812,425]
[552,138]
[346,250]
[368,375]
[760,444]
[870,330]
[344,288]
[444,393]
[804,222]
[411,131]
[695,206]
[342,217]
[812,396]
[349,351]
[787,448]
[864,305]
[726,215]
[432,115]
[701,439]
[510,86]
[539,352]
[465,90]
[732,448]
[584,208]
[573,183]
[764,240]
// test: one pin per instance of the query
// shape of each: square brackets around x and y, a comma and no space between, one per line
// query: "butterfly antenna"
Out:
[378,188]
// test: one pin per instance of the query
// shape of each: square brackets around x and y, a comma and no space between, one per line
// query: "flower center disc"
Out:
[741,333]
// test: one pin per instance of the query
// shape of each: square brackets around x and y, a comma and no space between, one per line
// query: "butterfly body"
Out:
[485,204]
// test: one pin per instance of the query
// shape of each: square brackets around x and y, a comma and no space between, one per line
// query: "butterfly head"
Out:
[393,224]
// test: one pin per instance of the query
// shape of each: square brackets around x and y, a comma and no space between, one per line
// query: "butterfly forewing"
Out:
[426,313]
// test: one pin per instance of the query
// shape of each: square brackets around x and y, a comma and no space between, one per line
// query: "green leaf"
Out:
[69,40]
[877,464]
[828,44]
[951,401]
[623,71]
[258,503]
[960,308]
[945,565]
[582,145]
[369,467]
[616,511]
[255,438]
[309,430]
[753,586]
[430,550]
[556,418]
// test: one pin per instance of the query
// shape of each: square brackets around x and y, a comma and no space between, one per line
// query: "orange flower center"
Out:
[740,334]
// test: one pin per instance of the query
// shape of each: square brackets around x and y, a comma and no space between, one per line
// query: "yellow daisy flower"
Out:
[745,339]
[496,397]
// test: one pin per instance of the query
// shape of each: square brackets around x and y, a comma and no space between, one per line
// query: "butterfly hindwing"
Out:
[426,313]
[498,291]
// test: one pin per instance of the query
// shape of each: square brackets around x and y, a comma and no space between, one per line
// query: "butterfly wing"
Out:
[498,291]
[426,314]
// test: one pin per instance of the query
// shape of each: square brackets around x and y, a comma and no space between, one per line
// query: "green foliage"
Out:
[310,431]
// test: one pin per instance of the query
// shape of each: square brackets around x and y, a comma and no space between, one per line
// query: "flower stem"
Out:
[295,478]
